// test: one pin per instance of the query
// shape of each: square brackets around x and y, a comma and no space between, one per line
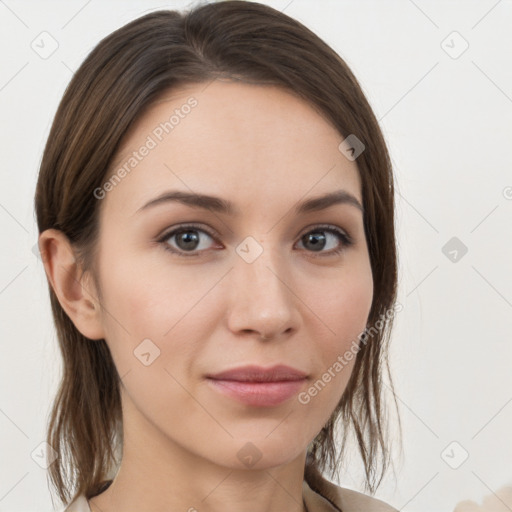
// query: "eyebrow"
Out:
[220,205]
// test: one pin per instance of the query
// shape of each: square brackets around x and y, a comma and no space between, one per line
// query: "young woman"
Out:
[216,215]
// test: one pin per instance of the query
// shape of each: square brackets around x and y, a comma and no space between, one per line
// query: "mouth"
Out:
[258,386]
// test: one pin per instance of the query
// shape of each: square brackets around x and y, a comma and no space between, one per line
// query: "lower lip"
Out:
[262,394]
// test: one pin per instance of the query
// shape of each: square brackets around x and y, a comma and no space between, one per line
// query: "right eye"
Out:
[187,239]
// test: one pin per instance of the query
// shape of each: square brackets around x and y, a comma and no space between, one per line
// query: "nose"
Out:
[262,298]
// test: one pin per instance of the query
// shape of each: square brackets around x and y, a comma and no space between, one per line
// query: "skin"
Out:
[264,149]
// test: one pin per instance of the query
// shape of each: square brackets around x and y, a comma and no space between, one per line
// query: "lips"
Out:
[253,373]
[257,386]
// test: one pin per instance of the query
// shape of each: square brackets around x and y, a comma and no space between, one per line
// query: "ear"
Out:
[74,289]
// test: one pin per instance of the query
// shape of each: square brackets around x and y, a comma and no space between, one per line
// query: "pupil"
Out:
[318,240]
[189,238]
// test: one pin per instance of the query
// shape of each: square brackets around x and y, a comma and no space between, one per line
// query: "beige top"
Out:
[319,495]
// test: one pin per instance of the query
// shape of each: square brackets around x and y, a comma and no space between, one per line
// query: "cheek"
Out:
[145,301]
[345,303]
[344,308]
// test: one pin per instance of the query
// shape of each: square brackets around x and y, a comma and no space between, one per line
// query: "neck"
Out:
[158,474]
[141,486]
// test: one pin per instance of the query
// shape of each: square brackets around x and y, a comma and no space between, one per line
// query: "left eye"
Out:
[188,240]
[317,239]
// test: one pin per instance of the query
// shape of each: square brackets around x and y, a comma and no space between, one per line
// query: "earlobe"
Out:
[76,294]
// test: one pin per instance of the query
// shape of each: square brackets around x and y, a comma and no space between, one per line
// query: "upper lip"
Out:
[253,373]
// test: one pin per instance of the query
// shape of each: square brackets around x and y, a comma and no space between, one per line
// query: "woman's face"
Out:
[179,307]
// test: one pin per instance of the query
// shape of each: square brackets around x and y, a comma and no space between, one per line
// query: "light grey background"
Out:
[447,118]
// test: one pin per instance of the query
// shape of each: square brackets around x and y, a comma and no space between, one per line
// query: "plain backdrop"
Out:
[439,78]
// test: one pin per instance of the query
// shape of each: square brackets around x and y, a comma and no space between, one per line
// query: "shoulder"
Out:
[320,495]
[323,496]
[80,504]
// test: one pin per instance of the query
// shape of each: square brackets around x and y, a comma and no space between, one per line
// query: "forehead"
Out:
[230,139]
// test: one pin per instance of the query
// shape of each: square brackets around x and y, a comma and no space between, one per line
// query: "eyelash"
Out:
[344,237]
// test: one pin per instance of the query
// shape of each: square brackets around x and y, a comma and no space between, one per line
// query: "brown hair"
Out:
[120,78]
